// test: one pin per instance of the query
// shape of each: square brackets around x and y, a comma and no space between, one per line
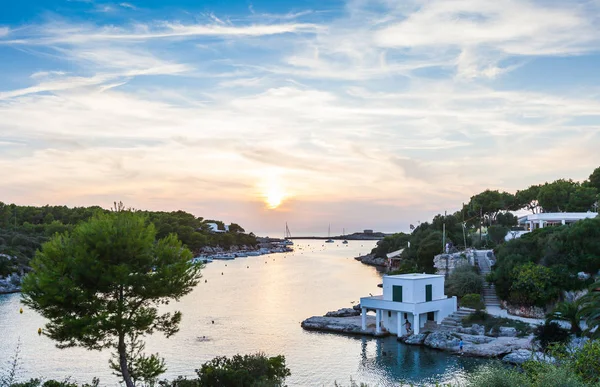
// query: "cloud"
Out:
[380,108]
[128,5]
[4,31]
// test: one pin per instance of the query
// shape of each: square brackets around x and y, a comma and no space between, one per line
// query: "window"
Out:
[430,316]
[428,292]
[389,314]
[406,316]
[397,293]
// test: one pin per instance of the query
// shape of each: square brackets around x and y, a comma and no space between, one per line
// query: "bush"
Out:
[243,371]
[462,281]
[550,333]
[497,376]
[586,362]
[472,301]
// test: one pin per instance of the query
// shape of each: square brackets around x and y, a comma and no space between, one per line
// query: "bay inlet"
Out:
[248,305]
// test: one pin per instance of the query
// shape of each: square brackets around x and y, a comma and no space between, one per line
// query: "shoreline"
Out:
[513,350]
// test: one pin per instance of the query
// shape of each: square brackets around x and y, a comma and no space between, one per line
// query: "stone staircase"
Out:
[489,291]
[454,320]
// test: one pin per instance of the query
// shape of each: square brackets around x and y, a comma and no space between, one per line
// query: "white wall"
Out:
[413,290]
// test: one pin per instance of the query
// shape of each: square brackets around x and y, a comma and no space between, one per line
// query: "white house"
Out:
[215,228]
[417,298]
[534,221]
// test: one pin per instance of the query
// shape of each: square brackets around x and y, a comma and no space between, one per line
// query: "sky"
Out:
[360,114]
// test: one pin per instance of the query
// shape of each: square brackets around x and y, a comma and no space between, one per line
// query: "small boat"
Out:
[252,253]
[344,235]
[287,237]
[202,259]
[329,240]
[241,254]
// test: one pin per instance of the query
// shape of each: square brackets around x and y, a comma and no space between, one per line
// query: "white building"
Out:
[534,221]
[417,298]
[215,228]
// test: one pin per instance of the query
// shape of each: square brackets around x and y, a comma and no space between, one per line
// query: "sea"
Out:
[250,305]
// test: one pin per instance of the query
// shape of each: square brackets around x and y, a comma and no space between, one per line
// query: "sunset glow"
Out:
[358,110]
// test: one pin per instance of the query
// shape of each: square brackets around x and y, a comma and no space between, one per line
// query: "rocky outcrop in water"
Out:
[344,312]
[370,259]
[350,325]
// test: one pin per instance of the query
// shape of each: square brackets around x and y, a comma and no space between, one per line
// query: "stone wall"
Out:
[524,311]
[446,263]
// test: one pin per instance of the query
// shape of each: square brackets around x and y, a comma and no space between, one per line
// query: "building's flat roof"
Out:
[557,216]
[413,276]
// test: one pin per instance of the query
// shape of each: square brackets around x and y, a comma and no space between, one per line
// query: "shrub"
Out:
[473,301]
[497,376]
[462,281]
[243,371]
[586,362]
[550,333]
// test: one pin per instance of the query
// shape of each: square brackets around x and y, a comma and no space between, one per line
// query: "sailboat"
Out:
[344,235]
[288,235]
[329,240]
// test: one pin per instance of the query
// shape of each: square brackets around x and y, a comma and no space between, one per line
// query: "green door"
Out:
[397,293]
[428,292]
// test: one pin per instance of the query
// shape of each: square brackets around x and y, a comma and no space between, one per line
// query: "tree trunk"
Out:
[123,362]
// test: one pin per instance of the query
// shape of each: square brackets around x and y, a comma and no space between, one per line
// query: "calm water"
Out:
[257,304]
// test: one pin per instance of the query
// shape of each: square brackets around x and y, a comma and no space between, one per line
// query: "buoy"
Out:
[225,265]
[213,321]
[39,331]
[221,273]
[21,310]
[205,281]
[247,267]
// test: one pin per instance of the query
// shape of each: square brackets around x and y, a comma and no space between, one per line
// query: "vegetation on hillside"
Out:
[23,229]
[532,270]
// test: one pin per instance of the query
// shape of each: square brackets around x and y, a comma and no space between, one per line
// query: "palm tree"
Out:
[590,310]
[567,311]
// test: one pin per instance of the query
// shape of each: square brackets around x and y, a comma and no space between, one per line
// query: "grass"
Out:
[494,323]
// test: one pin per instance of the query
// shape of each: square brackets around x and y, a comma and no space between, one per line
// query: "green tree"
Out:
[533,285]
[101,285]
[527,198]
[582,199]
[554,197]
[594,179]
[497,233]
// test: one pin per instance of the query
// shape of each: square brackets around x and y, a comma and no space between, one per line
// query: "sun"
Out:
[274,197]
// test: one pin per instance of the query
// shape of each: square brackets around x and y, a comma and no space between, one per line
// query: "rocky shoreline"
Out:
[10,284]
[371,260]
[506,346]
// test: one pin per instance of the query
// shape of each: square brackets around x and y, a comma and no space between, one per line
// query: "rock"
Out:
[446,263]
[10,284]
[520,356]
[442,340]
[414,339]
[352,325]
[507,332]
[476,339]
[370,259]
[344,312]
[495,347]
[474,329]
